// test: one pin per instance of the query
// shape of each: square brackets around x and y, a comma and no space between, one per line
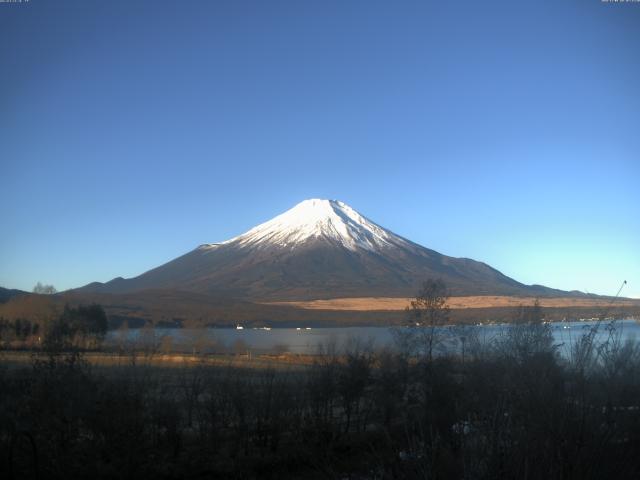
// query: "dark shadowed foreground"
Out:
[511,409]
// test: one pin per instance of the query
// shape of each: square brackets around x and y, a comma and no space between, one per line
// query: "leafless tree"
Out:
[44,289]
[427,313]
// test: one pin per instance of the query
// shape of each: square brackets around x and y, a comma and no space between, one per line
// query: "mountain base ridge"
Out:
[189,310]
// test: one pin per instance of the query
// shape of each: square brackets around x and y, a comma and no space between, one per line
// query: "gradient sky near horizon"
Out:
[508,132]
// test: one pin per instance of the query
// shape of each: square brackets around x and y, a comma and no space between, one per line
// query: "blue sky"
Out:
[132,131]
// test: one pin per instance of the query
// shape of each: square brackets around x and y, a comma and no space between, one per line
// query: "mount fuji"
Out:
[319,249]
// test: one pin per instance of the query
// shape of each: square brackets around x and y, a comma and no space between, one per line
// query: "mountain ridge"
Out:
[7,294]
[319,249]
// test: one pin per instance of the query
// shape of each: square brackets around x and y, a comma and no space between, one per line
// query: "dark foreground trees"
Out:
[83,327]
[510,411]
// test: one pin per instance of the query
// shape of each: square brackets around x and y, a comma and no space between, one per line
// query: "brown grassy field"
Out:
[286,361]
[394,304]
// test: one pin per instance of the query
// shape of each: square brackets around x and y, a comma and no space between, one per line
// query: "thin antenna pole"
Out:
[615,298]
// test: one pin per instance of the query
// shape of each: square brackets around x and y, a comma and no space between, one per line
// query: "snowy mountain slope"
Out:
[319,249]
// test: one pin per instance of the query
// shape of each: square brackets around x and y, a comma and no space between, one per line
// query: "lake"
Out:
[307,340]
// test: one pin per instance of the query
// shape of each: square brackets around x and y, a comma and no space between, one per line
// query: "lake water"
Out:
[303,340]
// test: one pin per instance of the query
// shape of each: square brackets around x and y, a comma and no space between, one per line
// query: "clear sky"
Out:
[505,131]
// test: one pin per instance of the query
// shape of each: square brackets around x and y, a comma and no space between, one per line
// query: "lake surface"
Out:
[309,341]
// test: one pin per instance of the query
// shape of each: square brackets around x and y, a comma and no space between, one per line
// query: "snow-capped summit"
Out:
[315,219]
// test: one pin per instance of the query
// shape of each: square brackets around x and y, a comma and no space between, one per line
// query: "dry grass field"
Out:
[132,358]
[394,304]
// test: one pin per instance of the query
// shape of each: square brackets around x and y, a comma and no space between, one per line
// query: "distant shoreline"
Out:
[179,309]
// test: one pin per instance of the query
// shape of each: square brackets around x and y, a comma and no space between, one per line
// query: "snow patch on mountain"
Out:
[318,219]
